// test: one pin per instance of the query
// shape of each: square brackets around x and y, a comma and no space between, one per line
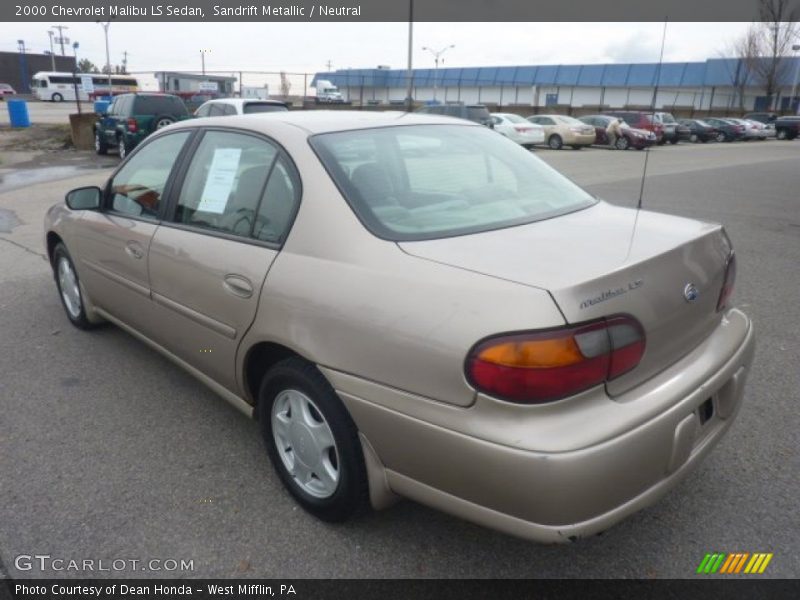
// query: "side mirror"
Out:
[85,198]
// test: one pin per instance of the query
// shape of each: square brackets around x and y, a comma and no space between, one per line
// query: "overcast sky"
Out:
[306,47]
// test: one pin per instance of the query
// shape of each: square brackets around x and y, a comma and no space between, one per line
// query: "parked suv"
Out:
[640,120]
[132,117]
[471,112]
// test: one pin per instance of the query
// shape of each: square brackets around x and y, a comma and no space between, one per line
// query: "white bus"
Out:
[57,87]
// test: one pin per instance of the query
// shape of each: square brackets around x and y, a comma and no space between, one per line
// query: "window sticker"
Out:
[219,183]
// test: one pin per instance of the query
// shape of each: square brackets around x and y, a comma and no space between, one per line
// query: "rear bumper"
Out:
[555,496]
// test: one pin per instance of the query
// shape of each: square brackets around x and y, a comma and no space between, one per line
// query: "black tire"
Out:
[555,142]
[57,97]
[577,147]
[693,137]
[662,141]
[781,134]
[722,137]
[122,147]
[351,496]
[673,142]
[100,143]
[78,319]
[622,143]
[162,121]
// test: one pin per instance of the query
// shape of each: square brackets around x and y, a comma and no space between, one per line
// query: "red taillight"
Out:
[131,124]
[522,129]
[544,366]
[727,284]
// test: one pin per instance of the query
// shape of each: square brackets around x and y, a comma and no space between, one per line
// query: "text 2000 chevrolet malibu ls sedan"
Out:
[413,305]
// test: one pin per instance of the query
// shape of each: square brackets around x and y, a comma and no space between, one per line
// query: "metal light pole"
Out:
[410,72]
[795,48]
[61,39]
[437,56]
[75,77]
[52,51]
[203,53]
[106,25]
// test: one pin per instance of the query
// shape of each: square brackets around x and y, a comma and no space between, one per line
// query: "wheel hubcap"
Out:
[305,443]
[68,284]
[163,123]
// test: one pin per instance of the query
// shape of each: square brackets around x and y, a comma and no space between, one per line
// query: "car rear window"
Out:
[158,105]
[262,107]
[425,182]
[478,113]
[515,118]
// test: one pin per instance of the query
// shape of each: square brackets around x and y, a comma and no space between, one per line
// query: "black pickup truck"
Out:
[787,128]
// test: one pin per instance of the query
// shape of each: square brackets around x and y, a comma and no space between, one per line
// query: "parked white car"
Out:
[518,129]
[221,107]
[753,130]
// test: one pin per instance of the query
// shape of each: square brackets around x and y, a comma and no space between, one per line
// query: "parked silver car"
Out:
[415,306]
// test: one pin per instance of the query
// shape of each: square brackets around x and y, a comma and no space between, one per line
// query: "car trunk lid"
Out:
[608,260]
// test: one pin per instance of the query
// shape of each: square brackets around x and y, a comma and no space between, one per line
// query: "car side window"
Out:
[225,182]
[138,186]
[203,110]
[216,110]
[278,204]
[547,121]
[230,109]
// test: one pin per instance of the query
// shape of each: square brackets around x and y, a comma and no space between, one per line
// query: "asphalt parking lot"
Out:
[108,451]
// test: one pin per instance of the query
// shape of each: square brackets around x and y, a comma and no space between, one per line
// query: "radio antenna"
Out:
[653,111]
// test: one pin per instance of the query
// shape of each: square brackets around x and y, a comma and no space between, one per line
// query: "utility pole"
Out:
[75,77]
[329,65]
[52,51]
[23,65]
[61,39]
[125,61]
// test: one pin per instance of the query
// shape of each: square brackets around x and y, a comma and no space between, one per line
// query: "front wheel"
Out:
[622,143]
[555,142]
[57,97]
[312,441]
[781,134]
[721,137]
[69,287]
[693,138]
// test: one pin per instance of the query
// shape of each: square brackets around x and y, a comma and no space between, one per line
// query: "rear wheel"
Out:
[122,147]
[163,121]
[555,142]
[781,134]
[693,138]
[100,144]
[722,137]
[57,97]
[312,441]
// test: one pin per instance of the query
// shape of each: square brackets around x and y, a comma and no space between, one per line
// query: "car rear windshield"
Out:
[425,182]
[516,119]
[159,105]
[262,107]
[667,118]
[569,120]
[478,113]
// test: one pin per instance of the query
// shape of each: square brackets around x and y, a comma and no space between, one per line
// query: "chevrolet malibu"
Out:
[412,306]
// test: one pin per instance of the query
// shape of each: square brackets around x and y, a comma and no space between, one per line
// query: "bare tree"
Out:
[286,85]
[768,44]
[743,51]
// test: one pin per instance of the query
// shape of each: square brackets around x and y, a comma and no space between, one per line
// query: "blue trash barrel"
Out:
[101,106]
[18,113]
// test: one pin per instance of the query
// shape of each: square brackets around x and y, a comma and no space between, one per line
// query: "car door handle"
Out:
[238,285]
[134,249]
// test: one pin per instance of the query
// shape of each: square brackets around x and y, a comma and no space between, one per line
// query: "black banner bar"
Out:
[384,10]
[750,588]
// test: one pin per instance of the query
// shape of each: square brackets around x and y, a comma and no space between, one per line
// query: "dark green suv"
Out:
[132,117]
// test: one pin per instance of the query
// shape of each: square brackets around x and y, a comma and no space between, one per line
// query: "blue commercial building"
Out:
[716,83]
